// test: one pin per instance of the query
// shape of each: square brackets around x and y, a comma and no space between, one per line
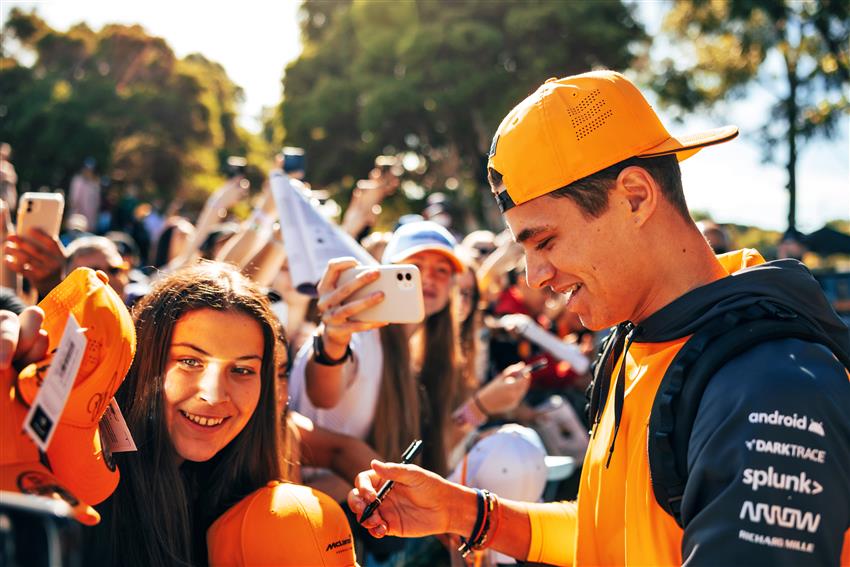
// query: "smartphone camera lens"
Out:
[399,276]
[407,277]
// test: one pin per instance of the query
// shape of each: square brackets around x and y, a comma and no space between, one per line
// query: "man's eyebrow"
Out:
[531,233]
[205,353]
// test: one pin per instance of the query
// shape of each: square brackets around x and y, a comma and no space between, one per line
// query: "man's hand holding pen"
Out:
[409,454]
[421,502]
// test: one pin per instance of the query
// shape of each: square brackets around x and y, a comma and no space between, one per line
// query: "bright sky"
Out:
[254,40]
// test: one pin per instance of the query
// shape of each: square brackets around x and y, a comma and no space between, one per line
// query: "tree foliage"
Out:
[723,47]
[121,96]
[434,77]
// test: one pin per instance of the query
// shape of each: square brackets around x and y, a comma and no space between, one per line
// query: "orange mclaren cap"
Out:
[75,459]
[572,127]
[21,469]
[282,524]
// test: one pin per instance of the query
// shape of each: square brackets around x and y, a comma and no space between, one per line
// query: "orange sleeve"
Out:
[553,532]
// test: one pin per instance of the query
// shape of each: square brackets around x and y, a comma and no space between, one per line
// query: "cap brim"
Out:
[34,478]
[76,476]
[458,266]
[77,459]
[686,146]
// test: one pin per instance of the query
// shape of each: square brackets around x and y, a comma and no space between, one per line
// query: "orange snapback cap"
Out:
[282,524]
[75,459]
[21,469]
[572,127]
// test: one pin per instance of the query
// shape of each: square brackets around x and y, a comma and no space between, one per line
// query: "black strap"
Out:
[620,385]
[321,357]
[680,392]
[603,368]
[466,544]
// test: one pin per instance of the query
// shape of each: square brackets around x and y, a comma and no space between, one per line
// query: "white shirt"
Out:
[355,412]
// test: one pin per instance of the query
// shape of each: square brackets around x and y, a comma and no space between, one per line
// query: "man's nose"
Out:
[538,272]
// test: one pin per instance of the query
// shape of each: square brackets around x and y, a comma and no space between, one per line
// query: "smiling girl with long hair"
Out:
[200,402]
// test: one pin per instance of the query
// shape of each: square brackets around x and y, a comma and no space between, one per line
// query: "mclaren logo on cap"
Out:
[339,543]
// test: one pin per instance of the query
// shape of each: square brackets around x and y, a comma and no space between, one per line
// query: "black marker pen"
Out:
[406,458]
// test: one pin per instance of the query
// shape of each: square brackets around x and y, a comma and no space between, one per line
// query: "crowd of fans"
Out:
[458,379]
[236,374]
[493,380]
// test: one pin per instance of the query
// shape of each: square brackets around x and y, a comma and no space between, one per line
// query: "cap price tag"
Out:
[114,434]
[43,416]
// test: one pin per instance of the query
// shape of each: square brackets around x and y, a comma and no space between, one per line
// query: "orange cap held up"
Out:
[75,468]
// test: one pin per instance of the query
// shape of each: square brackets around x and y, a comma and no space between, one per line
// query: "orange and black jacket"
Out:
[769,452]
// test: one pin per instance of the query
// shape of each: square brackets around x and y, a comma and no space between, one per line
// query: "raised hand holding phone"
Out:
[35,251]
[40,211]
[337,306]
[401,286]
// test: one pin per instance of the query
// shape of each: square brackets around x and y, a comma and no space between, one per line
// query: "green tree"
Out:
[434,78]
[121,96]
[725,46]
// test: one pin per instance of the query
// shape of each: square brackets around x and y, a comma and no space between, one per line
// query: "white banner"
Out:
[310,239]
[529,329]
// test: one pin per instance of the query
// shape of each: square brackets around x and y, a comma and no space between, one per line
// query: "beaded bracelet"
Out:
[488,533]
[485,526]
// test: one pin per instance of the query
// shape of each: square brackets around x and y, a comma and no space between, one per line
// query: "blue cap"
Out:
[421,236]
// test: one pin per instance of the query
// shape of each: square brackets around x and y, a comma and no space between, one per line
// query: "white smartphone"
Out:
[40,210]
[402,287]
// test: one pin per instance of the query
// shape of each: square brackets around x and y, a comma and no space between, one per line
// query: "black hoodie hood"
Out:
[787,283]
[783,284]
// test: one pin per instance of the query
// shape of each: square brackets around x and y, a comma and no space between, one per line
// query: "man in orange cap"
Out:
[588,181]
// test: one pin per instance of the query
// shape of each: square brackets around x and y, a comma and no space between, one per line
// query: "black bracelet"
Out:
[489,505]
[321,357]
[480,406]
[466,545]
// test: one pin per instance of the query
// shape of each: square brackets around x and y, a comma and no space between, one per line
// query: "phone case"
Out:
[402,287]
[40,210]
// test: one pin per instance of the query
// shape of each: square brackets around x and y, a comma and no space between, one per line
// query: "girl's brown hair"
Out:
[161,510]
[469,344]
[407,402]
